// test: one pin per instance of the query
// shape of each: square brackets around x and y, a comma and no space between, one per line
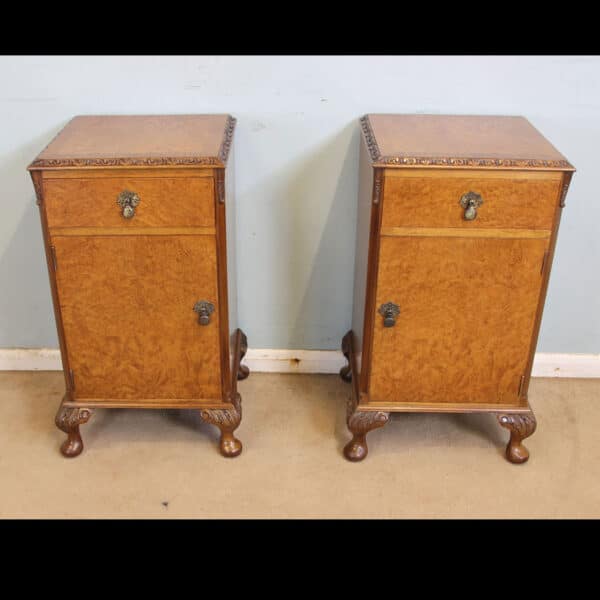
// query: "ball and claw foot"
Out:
[521,426]
[227,420]
[68,419]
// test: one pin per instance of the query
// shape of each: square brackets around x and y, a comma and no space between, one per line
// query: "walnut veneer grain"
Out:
[471,292]
[164,202]
[124,289]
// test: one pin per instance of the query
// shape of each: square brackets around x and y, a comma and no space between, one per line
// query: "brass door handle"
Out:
[128,201]
[471,201]
[204,310]
[389,311]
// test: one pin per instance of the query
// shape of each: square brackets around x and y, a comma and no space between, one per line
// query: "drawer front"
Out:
[512,200]
[127,305]
[163,202]
[467,312]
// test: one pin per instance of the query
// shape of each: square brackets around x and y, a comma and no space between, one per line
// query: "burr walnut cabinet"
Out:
[457,223]
[138,221]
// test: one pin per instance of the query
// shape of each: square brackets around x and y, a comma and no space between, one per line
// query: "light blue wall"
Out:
[296,157]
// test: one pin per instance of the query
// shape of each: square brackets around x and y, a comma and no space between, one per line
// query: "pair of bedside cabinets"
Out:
[456,228]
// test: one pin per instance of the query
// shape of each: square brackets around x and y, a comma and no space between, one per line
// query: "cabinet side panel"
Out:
[361,260]
[225,348]
[230,218]
[37,179]
[560,201]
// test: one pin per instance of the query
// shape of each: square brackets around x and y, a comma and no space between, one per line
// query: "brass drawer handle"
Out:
[128,201]
[389,311]
[471,201]
[204,310]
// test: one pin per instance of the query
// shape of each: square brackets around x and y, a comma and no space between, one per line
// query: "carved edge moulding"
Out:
[449,161]
[180,161]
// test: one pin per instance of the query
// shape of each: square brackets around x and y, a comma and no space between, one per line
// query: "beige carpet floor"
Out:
[151,463]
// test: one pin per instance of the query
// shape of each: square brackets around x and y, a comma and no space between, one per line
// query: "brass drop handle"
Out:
[471,201]
[128,201]
[389,311]
[204,310]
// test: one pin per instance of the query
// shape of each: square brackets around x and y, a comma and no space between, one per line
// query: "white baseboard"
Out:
[566,365]
[306,361]
[294,361]
[30,359]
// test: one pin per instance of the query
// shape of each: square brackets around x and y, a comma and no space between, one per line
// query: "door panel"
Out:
[467,310]
[127,308]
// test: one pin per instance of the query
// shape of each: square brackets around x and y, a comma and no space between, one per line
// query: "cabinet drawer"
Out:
[521,200]
[163,202]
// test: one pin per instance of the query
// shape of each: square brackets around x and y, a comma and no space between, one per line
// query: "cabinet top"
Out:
[464,141]
[140,141]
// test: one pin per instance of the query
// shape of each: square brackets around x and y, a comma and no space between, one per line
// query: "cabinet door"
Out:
[467,311]
[127,307]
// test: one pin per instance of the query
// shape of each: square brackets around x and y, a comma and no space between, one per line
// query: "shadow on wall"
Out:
[324,295]
[26,316]
[312,265]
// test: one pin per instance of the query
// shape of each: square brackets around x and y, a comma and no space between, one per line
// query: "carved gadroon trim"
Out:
[68,418]
[521,163]
[451,161]
[227,139]
[370,139]
[47,163]
[224,418]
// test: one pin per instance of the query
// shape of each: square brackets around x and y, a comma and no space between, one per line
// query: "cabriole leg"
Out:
[68,419]
[227,420]
[243,370]
[346,372]
[521,426]
[359,424]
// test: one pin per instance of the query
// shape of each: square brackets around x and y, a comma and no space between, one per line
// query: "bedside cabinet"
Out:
[457,223]
[138,221]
